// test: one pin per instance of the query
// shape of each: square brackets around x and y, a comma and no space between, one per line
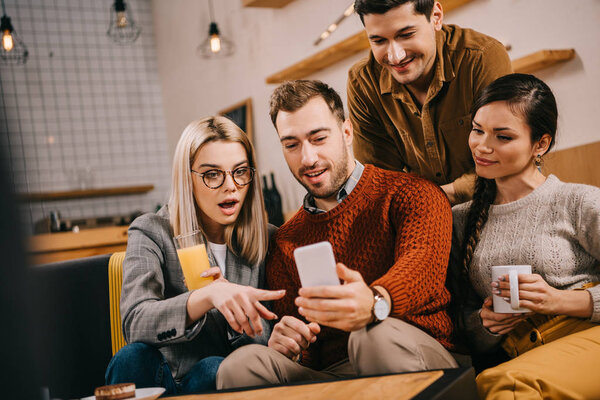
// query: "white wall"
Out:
[269,40]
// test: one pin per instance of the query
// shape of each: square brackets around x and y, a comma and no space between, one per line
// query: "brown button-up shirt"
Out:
[391,131]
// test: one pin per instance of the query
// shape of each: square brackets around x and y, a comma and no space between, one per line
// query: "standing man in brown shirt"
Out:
[410,99]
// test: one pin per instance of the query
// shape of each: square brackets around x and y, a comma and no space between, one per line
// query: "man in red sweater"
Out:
[391,234]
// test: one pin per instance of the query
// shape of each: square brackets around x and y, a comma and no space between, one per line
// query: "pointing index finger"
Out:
[262,294]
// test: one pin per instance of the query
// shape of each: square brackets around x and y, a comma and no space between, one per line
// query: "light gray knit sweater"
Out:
[555,229]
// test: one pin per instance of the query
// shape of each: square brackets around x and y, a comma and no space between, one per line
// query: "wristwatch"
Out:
[381,308]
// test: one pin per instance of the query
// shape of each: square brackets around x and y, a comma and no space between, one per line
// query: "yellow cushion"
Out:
[115,282]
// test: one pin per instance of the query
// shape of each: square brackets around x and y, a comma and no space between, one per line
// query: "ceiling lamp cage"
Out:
[122,28]
[215,45]
[12,49]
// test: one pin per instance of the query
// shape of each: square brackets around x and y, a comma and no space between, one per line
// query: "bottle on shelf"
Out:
[276,203]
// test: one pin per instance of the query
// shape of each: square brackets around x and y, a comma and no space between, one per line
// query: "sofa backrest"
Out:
[71,309]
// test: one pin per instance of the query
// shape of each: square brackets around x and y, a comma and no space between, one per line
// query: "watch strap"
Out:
[377,296]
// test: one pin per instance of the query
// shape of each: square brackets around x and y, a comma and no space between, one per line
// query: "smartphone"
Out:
[316,265]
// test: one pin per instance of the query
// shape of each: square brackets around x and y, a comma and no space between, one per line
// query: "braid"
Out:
[484,196]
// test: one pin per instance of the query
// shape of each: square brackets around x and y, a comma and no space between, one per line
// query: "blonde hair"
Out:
[247,236]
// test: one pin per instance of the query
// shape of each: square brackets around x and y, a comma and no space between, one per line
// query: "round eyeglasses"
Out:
[215,178]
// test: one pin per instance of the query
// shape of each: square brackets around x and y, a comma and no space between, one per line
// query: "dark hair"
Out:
[364,7]
[530,98]
[293,95]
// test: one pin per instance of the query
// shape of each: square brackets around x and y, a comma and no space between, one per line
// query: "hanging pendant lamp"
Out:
[12,49]
[215,45]
[122,28]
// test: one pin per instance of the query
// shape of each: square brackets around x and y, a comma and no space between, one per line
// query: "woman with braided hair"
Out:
[520,216]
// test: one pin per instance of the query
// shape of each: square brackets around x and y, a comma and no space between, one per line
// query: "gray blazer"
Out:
[154,297]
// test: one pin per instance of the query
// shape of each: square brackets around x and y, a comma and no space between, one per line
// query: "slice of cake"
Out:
[117,391]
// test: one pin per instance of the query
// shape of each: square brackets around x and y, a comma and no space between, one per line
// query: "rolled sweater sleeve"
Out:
[464,186]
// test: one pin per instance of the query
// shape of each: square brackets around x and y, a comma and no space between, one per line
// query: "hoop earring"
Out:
[538,161]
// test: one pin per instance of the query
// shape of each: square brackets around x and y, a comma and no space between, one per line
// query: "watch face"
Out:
[381,309]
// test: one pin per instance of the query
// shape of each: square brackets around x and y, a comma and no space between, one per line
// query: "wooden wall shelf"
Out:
[87,193]
[337,52]
[266,3]
[322,59]
[541,59]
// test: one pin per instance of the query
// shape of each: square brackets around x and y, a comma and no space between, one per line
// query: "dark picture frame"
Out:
[241,114]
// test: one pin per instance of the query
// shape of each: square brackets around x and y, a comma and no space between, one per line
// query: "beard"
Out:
[338,175]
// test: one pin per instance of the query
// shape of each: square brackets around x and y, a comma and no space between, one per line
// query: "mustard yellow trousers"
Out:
[555,358]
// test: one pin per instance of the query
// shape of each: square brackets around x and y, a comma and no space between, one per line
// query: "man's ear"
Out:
[542,146]
[348,132]
[437,16]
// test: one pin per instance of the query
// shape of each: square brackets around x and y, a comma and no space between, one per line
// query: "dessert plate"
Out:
[151,393]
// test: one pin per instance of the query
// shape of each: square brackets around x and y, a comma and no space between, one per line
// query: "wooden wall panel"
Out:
[577,164]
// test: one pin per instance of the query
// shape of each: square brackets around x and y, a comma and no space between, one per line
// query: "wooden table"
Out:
[458,383]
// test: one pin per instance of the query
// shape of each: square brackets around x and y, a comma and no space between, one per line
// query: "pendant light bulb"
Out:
[121,19]
[215,43]
[7,41]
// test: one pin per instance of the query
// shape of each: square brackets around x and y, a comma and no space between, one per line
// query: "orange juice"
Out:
[194,261]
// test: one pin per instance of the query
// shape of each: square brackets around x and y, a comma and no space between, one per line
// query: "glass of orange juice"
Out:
[191,251]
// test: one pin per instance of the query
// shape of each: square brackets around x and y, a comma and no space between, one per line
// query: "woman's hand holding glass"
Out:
[215,273]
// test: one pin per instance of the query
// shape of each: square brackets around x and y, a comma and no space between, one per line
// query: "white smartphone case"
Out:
[316,265]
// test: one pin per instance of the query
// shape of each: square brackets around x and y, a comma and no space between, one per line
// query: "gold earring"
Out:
[538,161]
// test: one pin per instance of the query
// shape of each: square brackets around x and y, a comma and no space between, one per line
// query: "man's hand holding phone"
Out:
[322,299]
[347,307]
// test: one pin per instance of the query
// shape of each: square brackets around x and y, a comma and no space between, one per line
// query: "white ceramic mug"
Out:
[513,271]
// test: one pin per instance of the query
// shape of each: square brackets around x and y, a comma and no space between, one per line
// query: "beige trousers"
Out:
[387,347]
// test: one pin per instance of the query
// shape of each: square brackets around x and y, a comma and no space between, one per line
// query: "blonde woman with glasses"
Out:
[177,337]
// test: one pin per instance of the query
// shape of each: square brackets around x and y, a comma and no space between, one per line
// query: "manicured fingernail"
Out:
[496,291]
[506,298]
[301,310]
[501,278]
[203,274]
[494,284]
[314,339]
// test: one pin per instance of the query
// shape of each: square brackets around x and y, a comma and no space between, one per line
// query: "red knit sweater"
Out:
[395,229]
